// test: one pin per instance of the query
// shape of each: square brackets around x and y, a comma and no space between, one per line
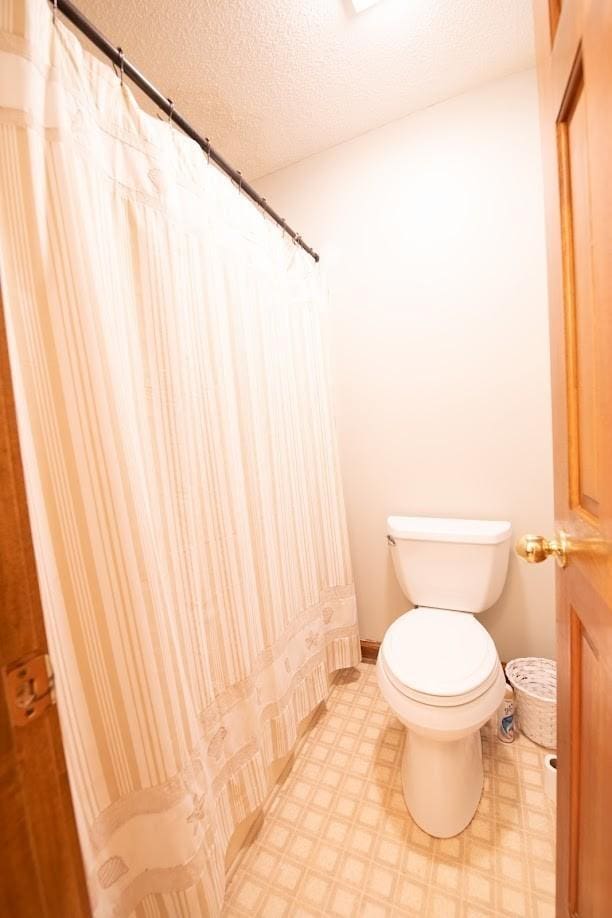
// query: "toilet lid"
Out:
[439,652]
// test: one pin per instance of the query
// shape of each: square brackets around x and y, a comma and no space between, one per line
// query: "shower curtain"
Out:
[181,470]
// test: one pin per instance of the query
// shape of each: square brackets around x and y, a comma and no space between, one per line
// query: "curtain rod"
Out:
[116,55]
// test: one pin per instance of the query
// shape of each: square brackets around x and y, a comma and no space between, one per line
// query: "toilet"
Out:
[438,668]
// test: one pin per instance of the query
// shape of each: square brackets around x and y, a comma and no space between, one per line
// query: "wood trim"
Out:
[554,12]
[575,684]
[369,651]
[41,869]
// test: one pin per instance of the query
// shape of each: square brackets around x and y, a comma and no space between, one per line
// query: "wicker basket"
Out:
[534,680]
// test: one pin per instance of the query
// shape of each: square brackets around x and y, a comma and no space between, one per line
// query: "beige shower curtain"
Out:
[182,478]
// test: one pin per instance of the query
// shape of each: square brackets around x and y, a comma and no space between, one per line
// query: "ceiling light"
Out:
[360,5]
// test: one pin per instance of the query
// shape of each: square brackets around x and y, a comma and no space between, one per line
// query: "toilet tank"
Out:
[449,563]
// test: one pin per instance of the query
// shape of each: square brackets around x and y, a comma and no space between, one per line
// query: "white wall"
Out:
[431,232]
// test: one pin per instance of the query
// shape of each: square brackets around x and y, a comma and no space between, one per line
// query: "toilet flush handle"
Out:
[390,540]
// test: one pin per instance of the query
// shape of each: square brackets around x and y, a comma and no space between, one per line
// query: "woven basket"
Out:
[534,680]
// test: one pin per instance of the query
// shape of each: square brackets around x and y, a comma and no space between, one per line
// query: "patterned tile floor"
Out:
[337,839]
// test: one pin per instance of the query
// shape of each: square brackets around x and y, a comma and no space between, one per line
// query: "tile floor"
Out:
[337,839]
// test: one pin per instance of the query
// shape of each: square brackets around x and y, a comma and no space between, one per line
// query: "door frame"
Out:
[41,867]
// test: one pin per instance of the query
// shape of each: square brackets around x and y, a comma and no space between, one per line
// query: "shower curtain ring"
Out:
[283,224]
[54,10]
[207,139]
[240,183]
[121,63]
[171,112]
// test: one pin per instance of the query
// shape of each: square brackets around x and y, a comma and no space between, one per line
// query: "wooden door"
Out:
[41,872]
[574,54]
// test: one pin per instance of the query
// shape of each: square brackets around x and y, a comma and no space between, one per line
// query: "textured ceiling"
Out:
[273,81]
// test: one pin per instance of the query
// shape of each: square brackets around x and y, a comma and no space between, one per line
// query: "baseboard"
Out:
[369,650]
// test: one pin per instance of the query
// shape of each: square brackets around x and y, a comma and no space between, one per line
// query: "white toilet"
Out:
[438,667]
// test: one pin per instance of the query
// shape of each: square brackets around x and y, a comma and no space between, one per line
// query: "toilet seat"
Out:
[439,657]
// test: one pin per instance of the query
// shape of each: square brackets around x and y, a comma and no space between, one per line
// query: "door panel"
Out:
[580,322]
[589,793]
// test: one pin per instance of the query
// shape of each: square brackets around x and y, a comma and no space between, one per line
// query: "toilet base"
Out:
[442,781]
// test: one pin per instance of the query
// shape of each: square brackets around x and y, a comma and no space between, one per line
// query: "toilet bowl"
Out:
[443,698]
[438,668]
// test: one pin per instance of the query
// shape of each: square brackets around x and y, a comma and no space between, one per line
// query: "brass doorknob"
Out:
[535,548]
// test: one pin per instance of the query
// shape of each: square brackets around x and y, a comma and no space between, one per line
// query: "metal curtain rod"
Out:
[116,55]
